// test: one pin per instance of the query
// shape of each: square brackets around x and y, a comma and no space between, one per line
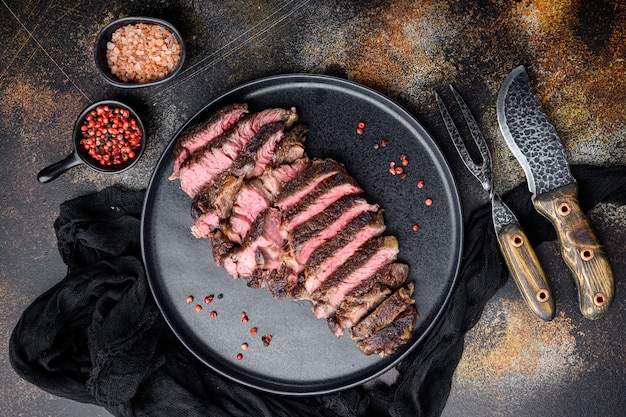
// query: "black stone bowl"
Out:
[81,156]
[100,50]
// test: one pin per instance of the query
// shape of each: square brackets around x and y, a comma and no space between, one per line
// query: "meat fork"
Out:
[518,254]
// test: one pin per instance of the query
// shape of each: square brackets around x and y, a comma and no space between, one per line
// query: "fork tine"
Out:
[474,130]
[475,169]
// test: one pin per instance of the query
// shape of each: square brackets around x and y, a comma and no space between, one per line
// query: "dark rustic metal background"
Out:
[574,51]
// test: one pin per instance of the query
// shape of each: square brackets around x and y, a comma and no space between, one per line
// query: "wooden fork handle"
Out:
[526,271]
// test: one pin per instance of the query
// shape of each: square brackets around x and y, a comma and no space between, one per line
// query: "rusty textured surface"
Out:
[574,51]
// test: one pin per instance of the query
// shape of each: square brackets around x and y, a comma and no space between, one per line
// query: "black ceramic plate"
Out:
[304,357]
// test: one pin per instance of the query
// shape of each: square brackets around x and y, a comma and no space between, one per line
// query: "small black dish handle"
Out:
[52,171]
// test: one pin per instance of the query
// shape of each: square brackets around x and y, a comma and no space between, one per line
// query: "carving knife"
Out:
[536,145]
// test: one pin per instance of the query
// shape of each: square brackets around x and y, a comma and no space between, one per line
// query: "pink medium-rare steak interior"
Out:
[202,133]
[205,164]
[296,226]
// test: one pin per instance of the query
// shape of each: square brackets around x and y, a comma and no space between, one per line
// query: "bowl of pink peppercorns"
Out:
[108,137]
[139,51]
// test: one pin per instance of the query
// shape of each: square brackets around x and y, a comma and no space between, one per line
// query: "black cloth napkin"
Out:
[98,336]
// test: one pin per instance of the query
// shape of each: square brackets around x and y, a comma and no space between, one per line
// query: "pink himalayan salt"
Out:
[143,52]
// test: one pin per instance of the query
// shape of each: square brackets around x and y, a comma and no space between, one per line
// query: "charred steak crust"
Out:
[298,227]
[291,146]
[221,247]
[252,154]
[367,295]
[384,314]
[217,197]
[387,340]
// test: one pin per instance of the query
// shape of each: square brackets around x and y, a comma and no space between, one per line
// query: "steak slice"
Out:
[336,251]
[261,151]
[323,226]
[366,296]
[303,184]
[221,246]
[198,135]
[326,193]
[206,163]
[363,264]
[263,238]
[213,203]
[387,340]
[249,203]
[253,159]
[280,281]
[291,146]
[275,178]
[384,314]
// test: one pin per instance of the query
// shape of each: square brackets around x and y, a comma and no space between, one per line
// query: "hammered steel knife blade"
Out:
[536,145]
[518,254]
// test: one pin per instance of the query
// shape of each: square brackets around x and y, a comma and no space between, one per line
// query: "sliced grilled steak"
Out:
[213,203]
[264,236]
[198,135]
[363,264]
[285,281]
[322,196]
[389,338]
[303,184]
[206,163]
[366,296]
[384,314]
[318,229]
[336,251]
[282,281]
[296,226]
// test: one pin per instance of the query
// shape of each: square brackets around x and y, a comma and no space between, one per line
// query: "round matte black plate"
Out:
[304,357]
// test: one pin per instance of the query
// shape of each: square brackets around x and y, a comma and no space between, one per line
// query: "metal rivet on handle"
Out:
[517,239]
[599,299]
[542,295]
[587,254]
[564,209]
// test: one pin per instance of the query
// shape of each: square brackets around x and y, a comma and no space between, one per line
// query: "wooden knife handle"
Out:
[526,271]
[580,249]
